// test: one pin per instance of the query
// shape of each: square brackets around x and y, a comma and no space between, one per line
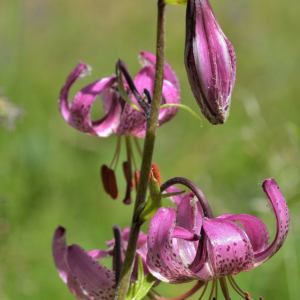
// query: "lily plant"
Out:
[187,244]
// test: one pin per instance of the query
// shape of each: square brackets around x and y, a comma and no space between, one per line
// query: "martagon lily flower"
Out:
[86,278]
[209,60]
[192,245]
[121,118]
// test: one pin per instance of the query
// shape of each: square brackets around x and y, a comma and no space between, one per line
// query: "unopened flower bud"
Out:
[209,61]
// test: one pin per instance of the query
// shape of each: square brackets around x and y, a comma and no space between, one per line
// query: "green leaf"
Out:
[167,195]
[184,107]
[154,201]
[141,287]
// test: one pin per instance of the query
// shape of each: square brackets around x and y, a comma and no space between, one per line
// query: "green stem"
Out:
[122,288]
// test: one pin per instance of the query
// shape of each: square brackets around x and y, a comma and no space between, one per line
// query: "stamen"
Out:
[212,289]
[104,177]
[138,146]
[200,255]
[117,263]
[236,287]
[112,184]
[197,286]
[224,288]
[216,293]
[117,154]
[137,178]
[156,172]
[109,181]
[127,171]
[206,285]
[127,199]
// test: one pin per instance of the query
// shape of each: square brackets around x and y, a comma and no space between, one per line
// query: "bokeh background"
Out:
[49,172]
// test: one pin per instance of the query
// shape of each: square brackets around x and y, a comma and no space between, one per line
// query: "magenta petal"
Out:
[64,105]
[145,80]
[255,229]
[132,122]
[142,240]
[229,249]
[162,260]
[97,254]
[169,74]
[280,208]
[169,95]
[80,117]
[175,199]
[59,248]
[95,279]
[182,233]
[189,216]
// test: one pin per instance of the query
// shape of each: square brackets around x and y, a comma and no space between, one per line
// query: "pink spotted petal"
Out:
[59,249]
[96,280]
[162,260]
[189,216]
[97,254]
[148,58]
[280,208]
[81,109]
[229,249]
[170,95]
[255,229]
[64,105]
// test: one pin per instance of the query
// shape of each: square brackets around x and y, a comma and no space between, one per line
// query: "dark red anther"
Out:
[137,178]
[127,174]
[112,184]
[104,177]
[109,181]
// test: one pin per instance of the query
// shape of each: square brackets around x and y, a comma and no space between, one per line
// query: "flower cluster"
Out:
[120,117]
[181,247]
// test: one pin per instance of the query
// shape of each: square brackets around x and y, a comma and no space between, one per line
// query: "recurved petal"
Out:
[169,95]
[281,211]
[80,71]
[148,58]
[162,259]
[59,248]
[94,278]
[255,229]
[229,249]
[80,117]
[132,121]
[100,253]
[189,216]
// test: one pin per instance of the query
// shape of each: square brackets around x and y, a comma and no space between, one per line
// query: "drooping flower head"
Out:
[120,117]
[85,276]
[192,245]
[209,60]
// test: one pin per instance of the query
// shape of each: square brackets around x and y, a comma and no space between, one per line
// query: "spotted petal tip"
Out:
[280,208]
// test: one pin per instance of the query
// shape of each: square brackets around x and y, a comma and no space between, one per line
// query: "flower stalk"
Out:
[124,282]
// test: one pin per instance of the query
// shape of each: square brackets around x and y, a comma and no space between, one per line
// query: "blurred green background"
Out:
[49,172]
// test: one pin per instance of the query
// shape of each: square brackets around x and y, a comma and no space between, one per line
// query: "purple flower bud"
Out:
[209,61]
